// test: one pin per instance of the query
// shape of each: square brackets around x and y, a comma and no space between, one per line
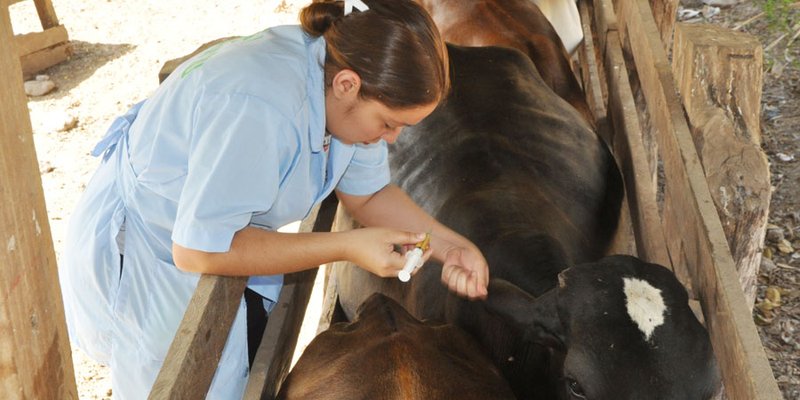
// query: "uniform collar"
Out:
[315,48]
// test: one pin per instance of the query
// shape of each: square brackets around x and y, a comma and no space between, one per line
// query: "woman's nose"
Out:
[390,136]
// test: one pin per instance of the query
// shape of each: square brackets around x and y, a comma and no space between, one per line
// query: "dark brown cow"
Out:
[517,24]
[506,163]
[386,354]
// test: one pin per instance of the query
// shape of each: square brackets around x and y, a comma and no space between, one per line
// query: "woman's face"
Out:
[369,121]
[352,119]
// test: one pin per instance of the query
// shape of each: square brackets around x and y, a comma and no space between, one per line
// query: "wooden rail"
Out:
[195,351]
[689,224]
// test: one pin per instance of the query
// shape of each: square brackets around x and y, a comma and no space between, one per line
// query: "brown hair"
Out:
[394,47]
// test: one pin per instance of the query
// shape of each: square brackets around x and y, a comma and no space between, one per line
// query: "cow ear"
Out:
[537,317]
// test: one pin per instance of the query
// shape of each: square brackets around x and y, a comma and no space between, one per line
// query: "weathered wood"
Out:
[274,355]
[605,20]
[744,366]
[193,356]
[596,93]
[630,154]
[589,68]
[45,58]
[32,42]
[720,78]
[35,355]
[331,311]
[663,12]
[47,14]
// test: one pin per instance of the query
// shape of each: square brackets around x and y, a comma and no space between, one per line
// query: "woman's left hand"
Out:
[465,272]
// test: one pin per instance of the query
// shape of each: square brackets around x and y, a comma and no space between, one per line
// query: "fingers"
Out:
[463,282]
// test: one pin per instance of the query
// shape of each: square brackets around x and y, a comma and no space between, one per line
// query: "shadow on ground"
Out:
[85,60]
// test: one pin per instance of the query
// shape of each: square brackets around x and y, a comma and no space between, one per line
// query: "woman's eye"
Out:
[575,388]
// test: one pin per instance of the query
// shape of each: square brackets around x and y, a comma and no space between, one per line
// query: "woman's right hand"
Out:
[373,249]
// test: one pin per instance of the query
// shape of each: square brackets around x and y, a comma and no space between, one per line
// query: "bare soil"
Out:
[121,44]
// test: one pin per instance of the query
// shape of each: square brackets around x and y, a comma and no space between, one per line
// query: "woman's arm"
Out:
[464,269]
[256,251]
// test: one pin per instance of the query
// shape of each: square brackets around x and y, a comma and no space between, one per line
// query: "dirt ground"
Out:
[120,45]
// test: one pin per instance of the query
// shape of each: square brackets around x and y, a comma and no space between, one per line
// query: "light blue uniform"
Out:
[232,138]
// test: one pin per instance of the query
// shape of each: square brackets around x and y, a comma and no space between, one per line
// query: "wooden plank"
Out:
[32,42]
[596,94]
[630,153]
[45,58]
[35,355]
[745,370]
[193,356]
[605,20]
[47,14]
[589,68]
[274,356]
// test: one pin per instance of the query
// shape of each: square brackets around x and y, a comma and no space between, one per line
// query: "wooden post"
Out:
[35,356]
[664,15]
[719,76]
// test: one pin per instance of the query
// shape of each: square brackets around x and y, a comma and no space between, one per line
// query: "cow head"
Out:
[623,329]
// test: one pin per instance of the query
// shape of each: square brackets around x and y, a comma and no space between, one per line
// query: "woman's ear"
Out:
[346,84]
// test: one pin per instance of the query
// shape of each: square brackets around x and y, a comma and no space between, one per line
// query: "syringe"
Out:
[414,259]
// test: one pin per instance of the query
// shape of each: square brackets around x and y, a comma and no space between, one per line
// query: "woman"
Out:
[240,140]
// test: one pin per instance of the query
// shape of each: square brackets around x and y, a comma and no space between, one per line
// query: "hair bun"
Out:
[318,17]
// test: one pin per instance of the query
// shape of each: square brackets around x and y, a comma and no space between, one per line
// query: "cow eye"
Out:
[575,388]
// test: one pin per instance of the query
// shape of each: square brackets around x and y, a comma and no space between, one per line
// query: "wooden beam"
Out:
[630,152]
[32,42]
[745,370]
[274,356]
[47,14]
[35,355]
[44,58]
[624,241]
[193,356]
[720,77]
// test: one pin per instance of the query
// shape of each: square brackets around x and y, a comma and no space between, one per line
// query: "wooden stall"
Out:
[623,57]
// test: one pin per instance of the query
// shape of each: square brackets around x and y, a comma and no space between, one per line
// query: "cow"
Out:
[518,24]
[510,165]
[387,354]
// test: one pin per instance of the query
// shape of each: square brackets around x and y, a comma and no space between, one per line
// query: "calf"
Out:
[387,354]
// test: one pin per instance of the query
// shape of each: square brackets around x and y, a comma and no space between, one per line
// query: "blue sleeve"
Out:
[368,171]
[233,171]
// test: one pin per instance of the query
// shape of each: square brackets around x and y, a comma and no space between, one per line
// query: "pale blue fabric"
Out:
[232,138]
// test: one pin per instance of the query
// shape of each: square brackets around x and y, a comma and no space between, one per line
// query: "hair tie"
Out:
[358,4]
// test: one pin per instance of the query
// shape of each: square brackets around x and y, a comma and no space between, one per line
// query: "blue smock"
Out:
[233,138]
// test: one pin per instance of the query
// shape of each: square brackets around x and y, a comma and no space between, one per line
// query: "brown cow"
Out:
[387,354]
[518,24]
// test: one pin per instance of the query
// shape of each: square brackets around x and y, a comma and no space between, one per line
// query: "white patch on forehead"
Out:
[645,305]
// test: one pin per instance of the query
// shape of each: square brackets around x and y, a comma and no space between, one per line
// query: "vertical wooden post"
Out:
[47,14]
[718,72]
[664,14]
[35,356]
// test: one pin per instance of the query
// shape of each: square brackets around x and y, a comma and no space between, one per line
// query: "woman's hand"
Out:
[373,249]
[465,272]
